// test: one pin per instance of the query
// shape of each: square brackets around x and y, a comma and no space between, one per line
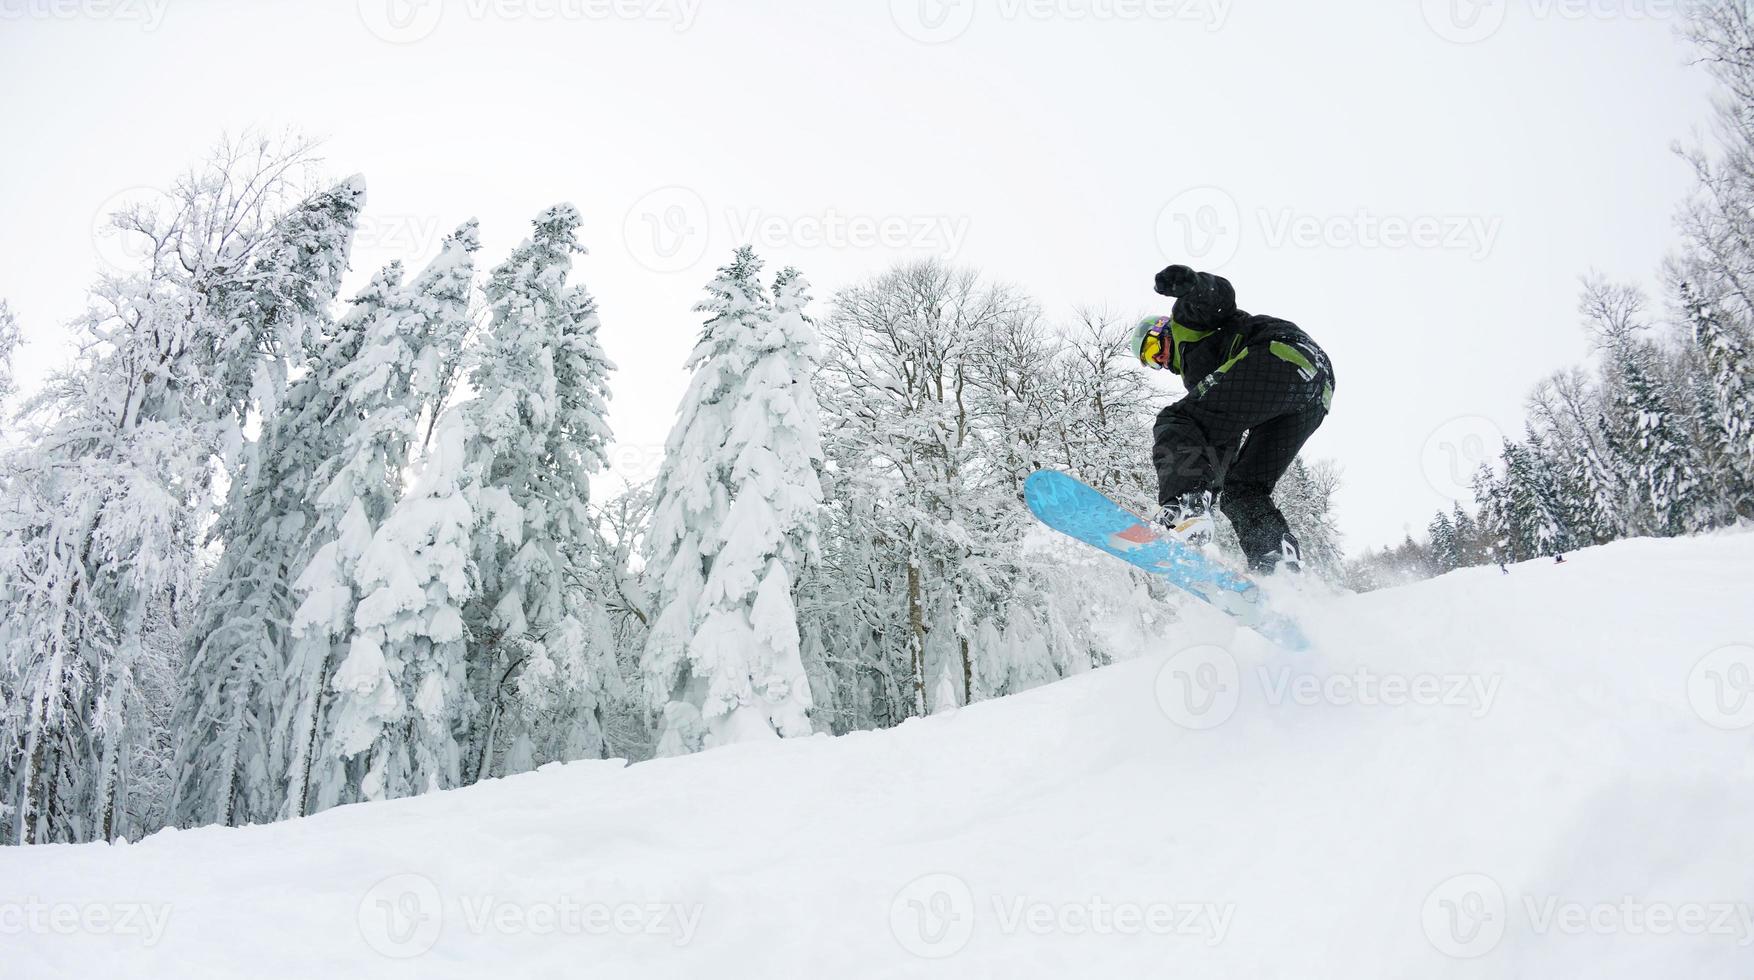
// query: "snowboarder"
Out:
[1258,388]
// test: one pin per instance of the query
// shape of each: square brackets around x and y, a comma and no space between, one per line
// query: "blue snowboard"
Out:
[1074,509]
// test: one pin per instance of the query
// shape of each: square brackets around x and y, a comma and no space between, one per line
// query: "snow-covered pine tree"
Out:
[1493,521]
[738,502]
[1445,553]
[1654,459]
[541,665]
[1728,358]
[1469,551]
[1534,526]
[228,757]
[375,398]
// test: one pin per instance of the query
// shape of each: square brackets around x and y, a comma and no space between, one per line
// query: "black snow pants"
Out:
[1238,431]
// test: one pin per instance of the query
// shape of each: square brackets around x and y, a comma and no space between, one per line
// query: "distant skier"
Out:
[1258,388]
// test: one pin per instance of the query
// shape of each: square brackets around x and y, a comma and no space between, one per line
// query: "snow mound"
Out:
[1546,773]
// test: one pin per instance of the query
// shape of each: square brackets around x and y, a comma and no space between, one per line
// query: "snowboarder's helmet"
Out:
[1151,340]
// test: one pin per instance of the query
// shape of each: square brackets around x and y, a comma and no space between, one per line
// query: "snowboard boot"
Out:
[1287,559]
[1189,520]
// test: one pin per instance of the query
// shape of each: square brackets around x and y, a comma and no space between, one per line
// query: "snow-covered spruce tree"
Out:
[228,757]
[737,511]
[1534,526]
[99,566]
[461,585]
[541,665]
[1469,551]
[1728,361]
[1493,521]
[399,338]
[1445,555]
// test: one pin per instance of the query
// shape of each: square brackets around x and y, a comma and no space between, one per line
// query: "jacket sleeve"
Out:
[1208,304]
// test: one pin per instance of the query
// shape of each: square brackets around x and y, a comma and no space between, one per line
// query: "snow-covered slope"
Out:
[1544,774]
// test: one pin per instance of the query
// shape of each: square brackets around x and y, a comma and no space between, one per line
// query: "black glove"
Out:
[1177,281]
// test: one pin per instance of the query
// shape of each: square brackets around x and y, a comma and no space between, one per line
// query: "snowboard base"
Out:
[1079,511]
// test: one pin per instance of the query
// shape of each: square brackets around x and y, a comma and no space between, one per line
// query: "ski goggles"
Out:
[1154,343]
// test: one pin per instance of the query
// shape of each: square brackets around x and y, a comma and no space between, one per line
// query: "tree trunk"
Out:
[916,615]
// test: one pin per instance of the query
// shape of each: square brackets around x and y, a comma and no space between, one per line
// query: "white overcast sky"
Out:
[1070,146]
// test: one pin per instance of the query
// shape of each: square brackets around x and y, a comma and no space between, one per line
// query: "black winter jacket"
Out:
[1214,331]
